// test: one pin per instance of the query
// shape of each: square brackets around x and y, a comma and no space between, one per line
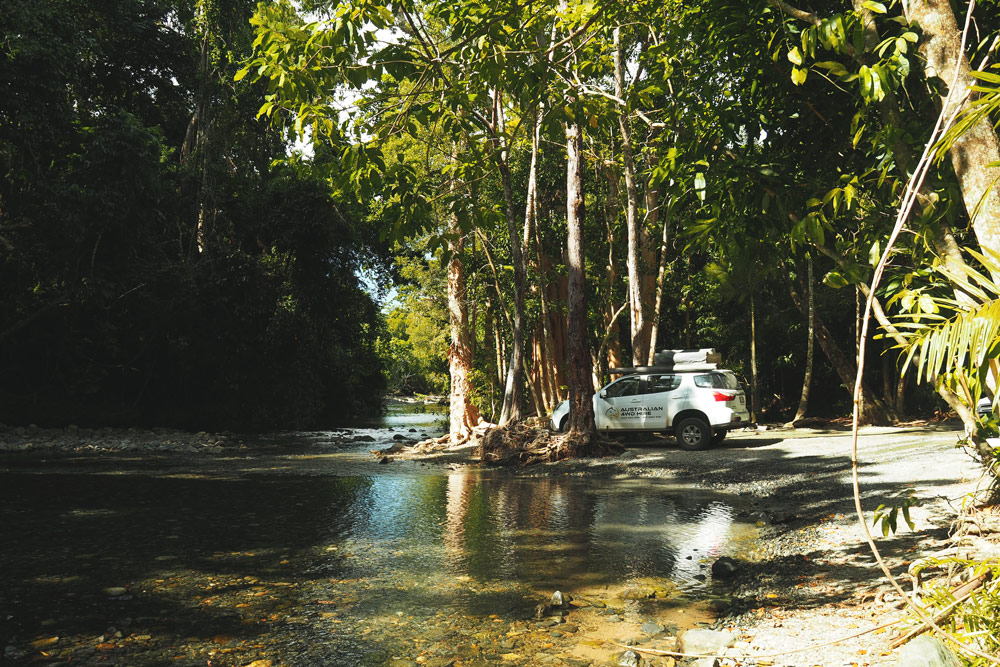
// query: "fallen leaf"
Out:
[42,643]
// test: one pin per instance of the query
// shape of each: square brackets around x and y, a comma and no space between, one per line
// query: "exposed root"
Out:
[521,443]
[440,444]
[530,441]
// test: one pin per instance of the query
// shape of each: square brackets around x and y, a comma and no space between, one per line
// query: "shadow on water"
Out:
[125,561]
[185,564]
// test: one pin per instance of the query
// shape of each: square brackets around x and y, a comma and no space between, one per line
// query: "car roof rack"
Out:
[663,368]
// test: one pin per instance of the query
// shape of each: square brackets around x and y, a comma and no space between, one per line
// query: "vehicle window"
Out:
[625,387]
[659,383]
[716,381]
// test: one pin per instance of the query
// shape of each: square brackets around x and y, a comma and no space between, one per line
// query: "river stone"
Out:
[558,599]
[439,662]
[704,641]
[925,651]
[725,568]
[629,659]
[638,593]
[651,628]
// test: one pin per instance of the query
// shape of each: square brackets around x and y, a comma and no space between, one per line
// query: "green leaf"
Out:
[799,75]
[699,185]
[835,280]
[795,56]
[835,68]
[876,7]
[874,254]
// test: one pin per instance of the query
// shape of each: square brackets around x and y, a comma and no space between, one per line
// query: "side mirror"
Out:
[603,394]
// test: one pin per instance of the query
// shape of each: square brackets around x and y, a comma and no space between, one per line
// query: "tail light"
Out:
[719,396]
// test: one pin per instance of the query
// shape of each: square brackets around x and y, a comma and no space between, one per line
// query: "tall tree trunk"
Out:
[754,382]
[873,411]
[195,145]
[640,335]
[581,407]
[977,149]
[610,343]
[647,252]
[800,412]
[514,389]
[654,329]
[463,415]
[551,364]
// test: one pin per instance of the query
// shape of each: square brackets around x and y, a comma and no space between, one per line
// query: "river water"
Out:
[442,566]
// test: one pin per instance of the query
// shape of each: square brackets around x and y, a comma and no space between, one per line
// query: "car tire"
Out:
[693,434]
[564,424]
[718,437]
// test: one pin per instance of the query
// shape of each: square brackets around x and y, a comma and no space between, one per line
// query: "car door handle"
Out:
[636,400]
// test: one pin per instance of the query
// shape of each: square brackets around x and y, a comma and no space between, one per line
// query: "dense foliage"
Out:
[156,268]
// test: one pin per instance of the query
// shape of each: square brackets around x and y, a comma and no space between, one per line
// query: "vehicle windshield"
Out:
[717,381]
[628,386]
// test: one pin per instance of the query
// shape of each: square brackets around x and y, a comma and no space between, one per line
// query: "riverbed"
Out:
[300,549]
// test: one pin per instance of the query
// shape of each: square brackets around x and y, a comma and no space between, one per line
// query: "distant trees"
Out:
[154,267]
[721,149]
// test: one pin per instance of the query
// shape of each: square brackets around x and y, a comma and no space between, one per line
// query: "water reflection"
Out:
[310,564]
[547,533]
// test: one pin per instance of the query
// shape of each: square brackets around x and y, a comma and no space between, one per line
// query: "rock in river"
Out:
[629,659]
[706,642]
[925,652]
[725,568]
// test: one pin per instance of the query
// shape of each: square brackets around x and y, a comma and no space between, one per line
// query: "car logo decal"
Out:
[611,413]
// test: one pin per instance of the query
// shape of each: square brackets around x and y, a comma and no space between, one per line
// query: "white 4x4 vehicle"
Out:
[698,403]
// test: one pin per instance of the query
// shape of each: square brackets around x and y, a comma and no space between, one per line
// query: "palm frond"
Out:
[965,341]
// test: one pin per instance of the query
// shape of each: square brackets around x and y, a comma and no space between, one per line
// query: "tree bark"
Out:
[975,150]
[640,335]
[610,342]
[581,407]
[754,383]
[800,412]
[654,329]
[463,415]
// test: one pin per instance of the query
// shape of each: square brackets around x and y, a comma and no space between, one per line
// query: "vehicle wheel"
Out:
[718,437]
[564,424]
[693,433]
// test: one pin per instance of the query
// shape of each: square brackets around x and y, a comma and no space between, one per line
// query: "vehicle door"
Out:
[658,400]
[618,406]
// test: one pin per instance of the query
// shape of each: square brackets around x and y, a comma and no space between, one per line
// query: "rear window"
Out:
[716,381]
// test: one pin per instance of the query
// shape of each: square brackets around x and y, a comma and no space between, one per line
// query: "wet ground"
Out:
[300,549]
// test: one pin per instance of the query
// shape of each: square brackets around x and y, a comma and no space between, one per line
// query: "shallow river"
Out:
[439,568]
